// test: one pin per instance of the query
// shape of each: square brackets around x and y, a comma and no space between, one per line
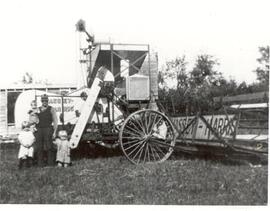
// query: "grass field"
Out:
[113,180]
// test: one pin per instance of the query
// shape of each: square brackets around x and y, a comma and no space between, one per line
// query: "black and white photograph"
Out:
[134,102]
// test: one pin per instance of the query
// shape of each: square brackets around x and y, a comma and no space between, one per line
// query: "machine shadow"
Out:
[222,157]
[93,151]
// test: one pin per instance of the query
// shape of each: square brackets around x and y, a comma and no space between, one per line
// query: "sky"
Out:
[40,37]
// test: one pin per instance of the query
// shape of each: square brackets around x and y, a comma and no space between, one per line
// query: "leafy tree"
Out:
[175,71]
[193,89]
[258,87]
[174,83]
[203,78]
[161,79]
[263,70]
[224,88]
[204,70]
[27,78]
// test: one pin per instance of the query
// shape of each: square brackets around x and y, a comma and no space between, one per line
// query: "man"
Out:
[45,131]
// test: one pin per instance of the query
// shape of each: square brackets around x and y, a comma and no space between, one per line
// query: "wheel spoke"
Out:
[138,127]
[140,150]
[144,122]
[130,142]
[156,123]
[146,155]
[141,153]
[152,152]
[136,123]
[156,152]
[153,123]
[149,122]
[159,150]
[148,152]
[160,147]
[134,130]
[127,132]
[138,143]
[140,122]
[134,149]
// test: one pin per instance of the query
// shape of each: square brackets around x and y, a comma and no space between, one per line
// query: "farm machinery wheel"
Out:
[147,136]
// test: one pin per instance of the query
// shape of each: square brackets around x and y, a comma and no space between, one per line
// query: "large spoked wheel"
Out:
[147,136]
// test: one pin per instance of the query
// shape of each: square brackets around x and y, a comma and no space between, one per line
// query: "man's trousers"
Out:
[44,146]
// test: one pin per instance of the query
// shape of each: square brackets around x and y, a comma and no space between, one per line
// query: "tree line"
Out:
[195,89]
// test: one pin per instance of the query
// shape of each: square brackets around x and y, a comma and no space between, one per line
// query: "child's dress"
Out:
[33,118]
[26,139]
[63,151]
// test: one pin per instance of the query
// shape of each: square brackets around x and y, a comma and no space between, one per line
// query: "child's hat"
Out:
[62,133]
[25,124]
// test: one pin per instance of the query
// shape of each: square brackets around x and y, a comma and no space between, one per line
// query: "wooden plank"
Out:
[86,113]
[252,127]
[243,97]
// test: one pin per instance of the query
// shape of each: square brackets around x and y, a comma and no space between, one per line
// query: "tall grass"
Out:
[113,180]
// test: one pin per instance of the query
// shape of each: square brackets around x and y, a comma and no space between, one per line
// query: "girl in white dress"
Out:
[26,140]
[63,149]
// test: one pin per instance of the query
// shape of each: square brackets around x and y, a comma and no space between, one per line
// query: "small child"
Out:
[33,115]
[63,149]
[26,151]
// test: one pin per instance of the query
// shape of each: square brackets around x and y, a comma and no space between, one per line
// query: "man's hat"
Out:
[44,97]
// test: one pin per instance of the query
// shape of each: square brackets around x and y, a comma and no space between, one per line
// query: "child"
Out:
[33,115]
[63,149]
[26,151]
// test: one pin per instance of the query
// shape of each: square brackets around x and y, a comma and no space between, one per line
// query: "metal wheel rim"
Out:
[141,143]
